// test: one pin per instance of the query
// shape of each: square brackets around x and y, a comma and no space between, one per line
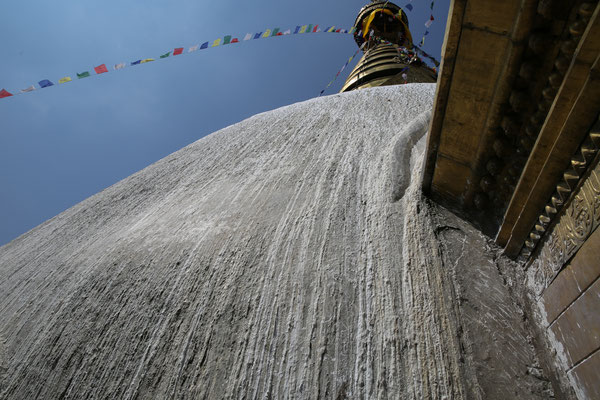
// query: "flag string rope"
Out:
[101,69]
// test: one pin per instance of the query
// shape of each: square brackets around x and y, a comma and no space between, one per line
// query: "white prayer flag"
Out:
[119,66]
[288,32]
[428,23]
[29,89]
[248,36]
[193,48]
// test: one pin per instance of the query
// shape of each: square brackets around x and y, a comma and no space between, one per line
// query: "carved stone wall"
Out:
[580,218]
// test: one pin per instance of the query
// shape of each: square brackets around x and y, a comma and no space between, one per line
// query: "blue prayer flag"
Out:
[136,62]
[409,7]
[45,83]
[297,29]
[426,33]
[258,35]
[204,45]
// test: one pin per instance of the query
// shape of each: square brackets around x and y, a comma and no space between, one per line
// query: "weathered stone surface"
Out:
[587,375]
[578,328]
[288,256]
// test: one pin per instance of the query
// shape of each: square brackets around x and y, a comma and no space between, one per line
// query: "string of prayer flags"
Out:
[100,69]
[340,71]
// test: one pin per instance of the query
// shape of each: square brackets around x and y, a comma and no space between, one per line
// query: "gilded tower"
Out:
[383,33]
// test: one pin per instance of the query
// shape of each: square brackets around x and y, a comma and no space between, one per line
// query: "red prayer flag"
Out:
[100,69]
[4,93]
[178,51]
[235,40]
[279,34]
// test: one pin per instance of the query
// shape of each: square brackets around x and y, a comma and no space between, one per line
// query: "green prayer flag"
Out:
[227,39]
[309,30]
[275,32]
[83,75]
[165,55]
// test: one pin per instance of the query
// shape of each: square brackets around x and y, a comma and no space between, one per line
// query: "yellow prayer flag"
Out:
[267,33]
[146,60]
[303,29]
[65,79]
[216,43]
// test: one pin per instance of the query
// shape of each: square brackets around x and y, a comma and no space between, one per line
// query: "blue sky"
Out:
[62,144]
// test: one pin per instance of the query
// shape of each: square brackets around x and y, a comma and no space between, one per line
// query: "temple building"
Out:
[428,233]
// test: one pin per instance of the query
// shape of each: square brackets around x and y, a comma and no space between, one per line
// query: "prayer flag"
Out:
[267,33]
[29,89]
[309,30]
[4,93]
[279,33]
[100,69]
[330,29]
[248,36]
[204,45]
[258,35]
[303,29]
[429,22]
[45,83]
[338,31]
[297,30]
[432,3]
[145,60]
[178,51]
[409,7]
[119,66]
[426,33]
[83,75]
[316,29]
[352,30]
[133,63]
[227,39]
[216,42]
[65,79]
[235,40]
[165,55]
[194,48]
[275,32]
[288,32]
